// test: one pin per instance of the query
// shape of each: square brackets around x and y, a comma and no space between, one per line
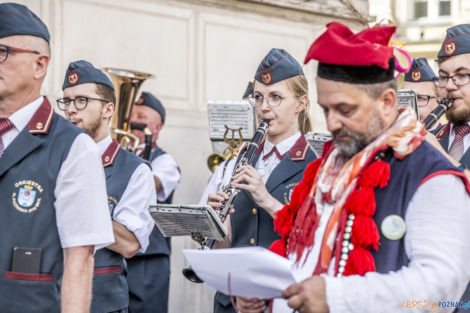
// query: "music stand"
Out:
[187,220]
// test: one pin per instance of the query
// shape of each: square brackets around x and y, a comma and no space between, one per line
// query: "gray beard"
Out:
[359,141]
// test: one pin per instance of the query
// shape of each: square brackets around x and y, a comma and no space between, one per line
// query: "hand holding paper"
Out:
[248,272]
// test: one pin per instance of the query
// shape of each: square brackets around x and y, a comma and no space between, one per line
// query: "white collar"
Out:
[104,144]
[284,146]
[22,117]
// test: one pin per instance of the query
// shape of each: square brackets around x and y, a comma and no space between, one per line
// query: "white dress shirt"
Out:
[132,209]
[166,169]
[436,242]
[466,139]
[82,213]
[265,167]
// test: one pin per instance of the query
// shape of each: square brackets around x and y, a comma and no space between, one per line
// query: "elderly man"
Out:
[52,185]
[88,103]
[149,272]
[421,79]
[369,226]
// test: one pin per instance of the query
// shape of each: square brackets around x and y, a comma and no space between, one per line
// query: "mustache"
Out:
[342,132]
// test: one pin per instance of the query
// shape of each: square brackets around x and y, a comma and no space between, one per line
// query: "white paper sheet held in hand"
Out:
[254,271]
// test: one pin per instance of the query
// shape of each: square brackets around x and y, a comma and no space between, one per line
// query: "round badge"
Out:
[266,77]
[449,47]
[416,75]
[73,78]
[393,227]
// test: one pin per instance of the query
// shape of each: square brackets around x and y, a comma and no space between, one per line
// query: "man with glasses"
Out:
[88,103]
[420,78]
[453,82]
[53,212]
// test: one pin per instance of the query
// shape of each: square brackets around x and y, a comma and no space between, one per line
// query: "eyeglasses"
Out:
[80,103]
[273,100]
[458,79]
[423,100]
[5,50]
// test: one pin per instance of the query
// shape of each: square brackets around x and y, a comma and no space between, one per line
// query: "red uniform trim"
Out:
[110,154]
[298,152]
[443,132]
[107,270]
[28,276]
[42,118]
[456,173]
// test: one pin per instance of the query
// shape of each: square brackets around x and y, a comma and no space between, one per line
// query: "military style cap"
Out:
[457,41]
[17,19]
[420,71]
[277,65]
[362,58]
[81,72]
[248,91]
[147,99]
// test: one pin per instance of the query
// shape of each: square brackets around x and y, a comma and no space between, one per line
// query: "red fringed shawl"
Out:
[361,203]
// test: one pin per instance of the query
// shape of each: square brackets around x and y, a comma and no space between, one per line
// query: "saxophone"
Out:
[245,158]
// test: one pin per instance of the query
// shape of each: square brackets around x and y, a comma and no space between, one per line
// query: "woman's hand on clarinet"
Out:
[215,200]
[250,305]
[247,178]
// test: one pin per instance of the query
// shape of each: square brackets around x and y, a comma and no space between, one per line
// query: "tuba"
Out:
[127,84]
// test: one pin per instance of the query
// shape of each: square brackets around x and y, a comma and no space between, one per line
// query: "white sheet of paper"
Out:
[253,271]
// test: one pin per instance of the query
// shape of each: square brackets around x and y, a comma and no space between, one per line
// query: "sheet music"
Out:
[317,141]
[175,220]
[234,114]
[249,271]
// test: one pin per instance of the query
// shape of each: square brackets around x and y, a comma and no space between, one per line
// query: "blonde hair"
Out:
[299,85]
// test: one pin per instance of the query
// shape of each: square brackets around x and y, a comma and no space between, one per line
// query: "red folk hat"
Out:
[360,58]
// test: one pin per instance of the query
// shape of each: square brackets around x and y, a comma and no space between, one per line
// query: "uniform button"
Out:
[254,211]
[252,241]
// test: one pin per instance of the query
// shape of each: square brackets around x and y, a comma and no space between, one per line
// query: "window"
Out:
[429,10]
[444,8]
[420,9]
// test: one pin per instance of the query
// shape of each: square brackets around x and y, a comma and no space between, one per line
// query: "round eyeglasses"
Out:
[80,103]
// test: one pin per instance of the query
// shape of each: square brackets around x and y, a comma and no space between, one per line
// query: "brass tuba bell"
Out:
[126,84]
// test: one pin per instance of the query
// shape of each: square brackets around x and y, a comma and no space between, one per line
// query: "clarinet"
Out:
[435,115]
[246,158]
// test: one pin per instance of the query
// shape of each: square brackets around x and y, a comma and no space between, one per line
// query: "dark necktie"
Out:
[273,151]
[5,125]
[456,148]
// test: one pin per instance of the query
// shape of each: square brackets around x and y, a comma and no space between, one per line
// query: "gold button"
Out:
[252,241]
[39,125]
[298,153]
[254,211]
[106,158]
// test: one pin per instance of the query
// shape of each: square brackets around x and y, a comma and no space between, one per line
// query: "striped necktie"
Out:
[5,125]
[456,148]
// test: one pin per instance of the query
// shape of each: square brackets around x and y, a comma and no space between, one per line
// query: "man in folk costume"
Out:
[371,225]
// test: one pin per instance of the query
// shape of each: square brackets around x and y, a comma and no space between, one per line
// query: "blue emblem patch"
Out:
[27,197]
